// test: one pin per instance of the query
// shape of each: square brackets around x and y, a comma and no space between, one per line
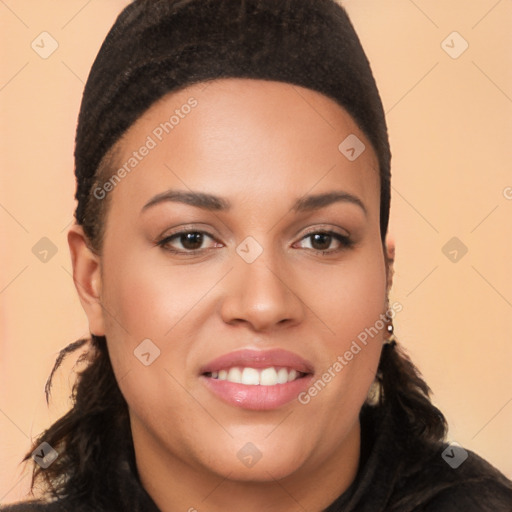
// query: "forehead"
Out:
[247,138]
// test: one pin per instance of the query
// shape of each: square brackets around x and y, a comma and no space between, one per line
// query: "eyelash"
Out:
[345,241]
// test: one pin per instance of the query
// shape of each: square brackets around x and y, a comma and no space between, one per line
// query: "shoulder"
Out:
[404,472]
[449,478]
[481,496]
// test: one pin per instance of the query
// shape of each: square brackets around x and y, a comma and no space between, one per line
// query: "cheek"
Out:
[352,295]
[351,307]
[149,296]
[144,300]
[148,299]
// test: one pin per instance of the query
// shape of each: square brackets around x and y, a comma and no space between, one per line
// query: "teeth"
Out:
[282,376]
[250,377]
[235,375]
[254,377]
[268,377]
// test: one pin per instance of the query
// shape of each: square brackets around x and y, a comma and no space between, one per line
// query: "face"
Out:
[235,319]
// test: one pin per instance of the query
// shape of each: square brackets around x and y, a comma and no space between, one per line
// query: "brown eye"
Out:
[189,241]
[321,241]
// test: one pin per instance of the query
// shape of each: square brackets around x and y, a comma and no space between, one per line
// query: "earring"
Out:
[390,340]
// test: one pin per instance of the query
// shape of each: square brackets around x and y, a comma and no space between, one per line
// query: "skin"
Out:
[261,145]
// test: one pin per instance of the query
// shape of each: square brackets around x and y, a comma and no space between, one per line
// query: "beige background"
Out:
[450,122]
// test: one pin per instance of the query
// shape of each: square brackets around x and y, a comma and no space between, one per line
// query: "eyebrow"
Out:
[215,203]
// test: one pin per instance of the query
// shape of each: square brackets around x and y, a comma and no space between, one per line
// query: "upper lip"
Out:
[258,359]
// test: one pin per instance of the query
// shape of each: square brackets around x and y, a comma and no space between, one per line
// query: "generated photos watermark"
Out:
[157,135]
[355,348]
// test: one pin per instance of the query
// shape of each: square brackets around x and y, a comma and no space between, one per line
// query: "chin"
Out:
[264,470]
[259,460]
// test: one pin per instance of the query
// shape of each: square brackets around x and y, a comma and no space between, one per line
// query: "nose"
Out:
[262,294]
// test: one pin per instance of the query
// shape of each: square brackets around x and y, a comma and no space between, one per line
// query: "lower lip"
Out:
[257,398]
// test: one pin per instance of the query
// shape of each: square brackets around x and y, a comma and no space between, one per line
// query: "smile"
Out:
[257,380]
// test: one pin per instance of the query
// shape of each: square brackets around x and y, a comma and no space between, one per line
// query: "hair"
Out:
[96,461]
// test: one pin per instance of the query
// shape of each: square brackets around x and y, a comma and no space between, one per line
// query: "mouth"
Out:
[257,380]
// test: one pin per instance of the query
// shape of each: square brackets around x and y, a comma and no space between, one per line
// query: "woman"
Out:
[233,187]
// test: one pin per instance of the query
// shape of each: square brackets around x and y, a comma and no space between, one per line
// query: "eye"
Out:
[190,241]
[320,241]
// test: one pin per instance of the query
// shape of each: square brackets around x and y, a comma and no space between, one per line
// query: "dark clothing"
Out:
[399,475]
[395,475]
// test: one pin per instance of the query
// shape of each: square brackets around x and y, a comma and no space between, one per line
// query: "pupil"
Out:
[192,240]
[324,237]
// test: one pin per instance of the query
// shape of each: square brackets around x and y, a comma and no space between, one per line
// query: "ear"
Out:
[390,257]
[87,278]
